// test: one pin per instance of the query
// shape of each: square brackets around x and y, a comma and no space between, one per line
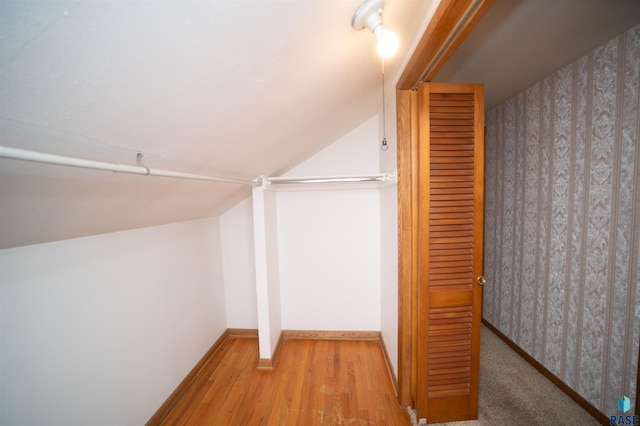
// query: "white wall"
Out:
[389,271]
[329,240]
[236,229]
[100,330]
[389,239]
[328,244]
[352,154]
[330,259]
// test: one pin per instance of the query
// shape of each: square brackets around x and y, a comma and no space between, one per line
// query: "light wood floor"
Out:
[316,382]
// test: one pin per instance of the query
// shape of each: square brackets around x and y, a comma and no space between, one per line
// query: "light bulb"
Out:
[387,41]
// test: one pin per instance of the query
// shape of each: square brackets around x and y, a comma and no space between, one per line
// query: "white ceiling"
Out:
[223,87]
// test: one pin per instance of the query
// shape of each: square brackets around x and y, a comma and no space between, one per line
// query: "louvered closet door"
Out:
[451,156]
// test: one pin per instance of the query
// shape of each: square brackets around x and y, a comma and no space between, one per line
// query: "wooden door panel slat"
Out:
[446,228]
[436,372]
[463,164]
[454,109]
[455,145]
[464,121]
[437,180]
[450,376]
[447,129]
[448,95]
[462,314]
[445,254]
[434,357]
[450,203]
[450,327]
[445,157]
[437,238]
[468,240]
[463,115]
[452,191]
[464,346]
[451,281]
[452,268]
[438,101]
[434,279]
[452,173]
[447,321]
[461,380]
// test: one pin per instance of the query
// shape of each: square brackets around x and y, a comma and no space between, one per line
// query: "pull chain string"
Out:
[384,145]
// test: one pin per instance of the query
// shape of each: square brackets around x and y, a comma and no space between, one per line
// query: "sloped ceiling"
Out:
[519,42]
[224,87]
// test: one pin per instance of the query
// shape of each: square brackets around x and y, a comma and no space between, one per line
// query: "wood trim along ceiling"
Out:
[451,24]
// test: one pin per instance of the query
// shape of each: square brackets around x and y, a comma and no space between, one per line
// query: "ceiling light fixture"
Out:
[369,15]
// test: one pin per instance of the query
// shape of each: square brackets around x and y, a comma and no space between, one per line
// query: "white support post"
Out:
[265,237]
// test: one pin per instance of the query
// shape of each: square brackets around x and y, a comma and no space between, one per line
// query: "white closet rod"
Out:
[328,179]
[40,157]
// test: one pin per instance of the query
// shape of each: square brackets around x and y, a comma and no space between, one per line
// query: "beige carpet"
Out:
[514,393]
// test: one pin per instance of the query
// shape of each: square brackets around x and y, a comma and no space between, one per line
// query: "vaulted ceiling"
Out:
[519,42]
[223,87]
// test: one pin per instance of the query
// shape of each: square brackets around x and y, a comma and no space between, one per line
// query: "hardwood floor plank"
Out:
[316,382]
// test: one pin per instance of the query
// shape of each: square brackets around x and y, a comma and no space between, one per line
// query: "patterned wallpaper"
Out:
[562,230]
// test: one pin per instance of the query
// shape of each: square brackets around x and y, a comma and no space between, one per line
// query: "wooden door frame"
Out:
[451,23]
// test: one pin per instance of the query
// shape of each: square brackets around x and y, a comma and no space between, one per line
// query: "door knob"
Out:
[482,280]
